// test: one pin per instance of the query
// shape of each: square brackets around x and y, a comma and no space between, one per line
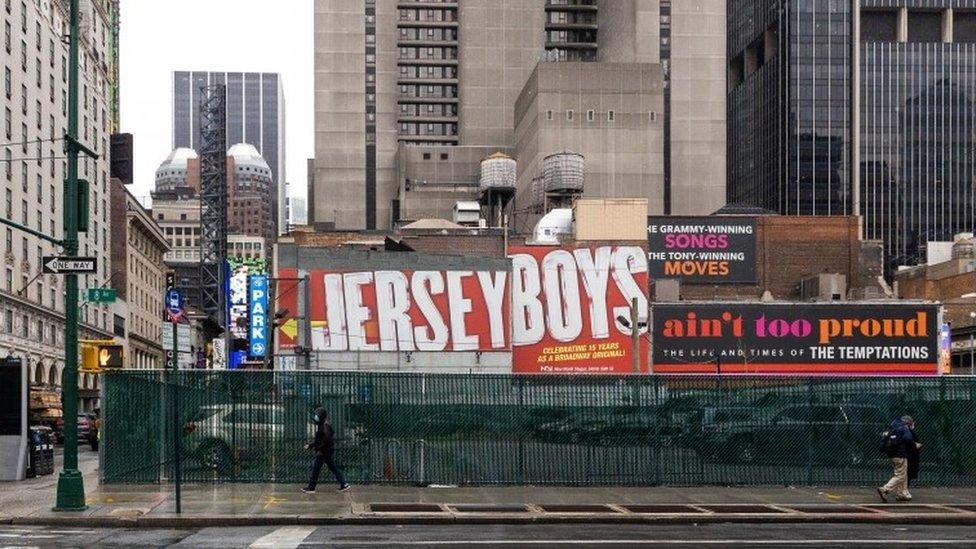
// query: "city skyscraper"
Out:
[917,113]
[445,77]
[255,115]
[789,106]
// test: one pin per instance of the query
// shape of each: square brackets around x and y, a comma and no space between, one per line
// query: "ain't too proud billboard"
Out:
[800,339]
[706,250]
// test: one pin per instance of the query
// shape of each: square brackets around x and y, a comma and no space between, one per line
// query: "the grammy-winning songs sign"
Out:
[384,310]
[712,250]
[800,339]
[571,308]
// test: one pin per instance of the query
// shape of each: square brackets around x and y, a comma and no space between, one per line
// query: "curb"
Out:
[948,519]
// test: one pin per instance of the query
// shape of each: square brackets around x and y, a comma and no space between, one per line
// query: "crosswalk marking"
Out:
[288,537]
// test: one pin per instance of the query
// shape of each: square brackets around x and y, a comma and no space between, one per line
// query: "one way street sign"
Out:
[69,265]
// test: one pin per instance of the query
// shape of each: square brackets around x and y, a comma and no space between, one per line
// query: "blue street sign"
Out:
[257,302]
[175,305]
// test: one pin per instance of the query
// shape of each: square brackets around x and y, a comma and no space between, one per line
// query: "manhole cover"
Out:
[560,508]
[742,509]
[405,508]
[827,509]
[490,508]
[661,509]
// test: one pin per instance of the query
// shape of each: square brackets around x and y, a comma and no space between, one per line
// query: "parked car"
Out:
[219,435]
[836,433]
[85,422]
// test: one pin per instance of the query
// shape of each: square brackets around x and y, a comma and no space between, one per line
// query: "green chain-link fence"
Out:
[242,426]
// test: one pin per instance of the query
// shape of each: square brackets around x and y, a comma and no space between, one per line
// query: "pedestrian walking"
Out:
[898,443]
[914,455]
[324,448]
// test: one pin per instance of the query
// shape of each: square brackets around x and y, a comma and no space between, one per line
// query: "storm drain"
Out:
[405,508]
[662,509]
[561,508]
[827,509]
[464,508]
[912,509]
[743,509]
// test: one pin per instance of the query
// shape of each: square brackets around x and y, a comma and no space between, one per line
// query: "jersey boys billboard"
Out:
[571,308]
[843,339]
[403,310]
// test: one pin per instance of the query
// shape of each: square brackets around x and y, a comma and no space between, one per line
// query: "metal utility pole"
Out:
[71,486]
[635,336]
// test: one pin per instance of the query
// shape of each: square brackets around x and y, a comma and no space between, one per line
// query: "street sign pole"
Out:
[71,486]
[174,310]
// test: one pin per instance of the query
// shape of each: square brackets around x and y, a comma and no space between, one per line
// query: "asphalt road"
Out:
[471,537]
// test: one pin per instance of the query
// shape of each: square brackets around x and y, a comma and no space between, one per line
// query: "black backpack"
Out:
[890,440]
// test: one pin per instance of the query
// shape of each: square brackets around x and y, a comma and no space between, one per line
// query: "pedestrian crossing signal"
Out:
[98,355]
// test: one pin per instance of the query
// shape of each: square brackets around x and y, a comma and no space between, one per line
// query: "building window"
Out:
[964,26]
[879,26]
[924,26]
[569,114]
[610,116]
[589,115]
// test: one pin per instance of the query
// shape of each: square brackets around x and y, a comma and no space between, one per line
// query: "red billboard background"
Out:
[566,303]
[386,310]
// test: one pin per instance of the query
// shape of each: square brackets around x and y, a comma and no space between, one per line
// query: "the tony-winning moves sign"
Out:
[711,250]
[801,339]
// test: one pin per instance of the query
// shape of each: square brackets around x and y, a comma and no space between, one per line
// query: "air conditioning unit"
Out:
[824,287]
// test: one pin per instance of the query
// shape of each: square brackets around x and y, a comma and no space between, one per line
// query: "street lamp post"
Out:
[71,486]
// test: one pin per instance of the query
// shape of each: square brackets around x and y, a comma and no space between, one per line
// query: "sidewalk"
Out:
[266,504]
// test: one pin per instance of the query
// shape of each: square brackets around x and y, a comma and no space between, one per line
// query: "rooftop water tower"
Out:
[497,185]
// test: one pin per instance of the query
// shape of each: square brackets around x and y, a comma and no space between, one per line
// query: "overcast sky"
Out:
[159,37]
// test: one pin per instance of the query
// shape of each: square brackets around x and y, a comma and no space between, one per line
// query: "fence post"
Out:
[943,430]
[810,437]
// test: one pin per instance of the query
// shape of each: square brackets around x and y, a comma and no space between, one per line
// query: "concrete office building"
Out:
[33,110]
[401,87]
[255,115]
[138,276]
[611,113]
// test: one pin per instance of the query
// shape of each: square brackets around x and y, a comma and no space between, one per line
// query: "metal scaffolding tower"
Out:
[213,201]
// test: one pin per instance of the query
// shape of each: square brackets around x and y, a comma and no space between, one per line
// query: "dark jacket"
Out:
[906,440]
[913,457]
[324,435]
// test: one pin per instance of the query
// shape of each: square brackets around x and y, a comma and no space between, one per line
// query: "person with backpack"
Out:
[324,448]
[898,443]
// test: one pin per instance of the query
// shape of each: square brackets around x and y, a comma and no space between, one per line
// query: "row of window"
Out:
[429,90]
[429,15]
[413,128]
[427,53]
[414,71]
[415,33]
[440,109]
[591,115]
[881,25]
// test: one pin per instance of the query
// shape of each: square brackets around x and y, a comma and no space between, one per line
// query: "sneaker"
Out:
[308,490]
[905,499]
[344,487]
[883,495]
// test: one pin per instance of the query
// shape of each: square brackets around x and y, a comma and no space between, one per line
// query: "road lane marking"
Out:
[561,542]
[288,537]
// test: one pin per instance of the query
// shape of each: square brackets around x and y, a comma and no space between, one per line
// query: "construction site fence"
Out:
[422,429]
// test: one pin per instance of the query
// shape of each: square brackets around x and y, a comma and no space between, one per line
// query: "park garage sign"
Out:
[704,250]
[895,338]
